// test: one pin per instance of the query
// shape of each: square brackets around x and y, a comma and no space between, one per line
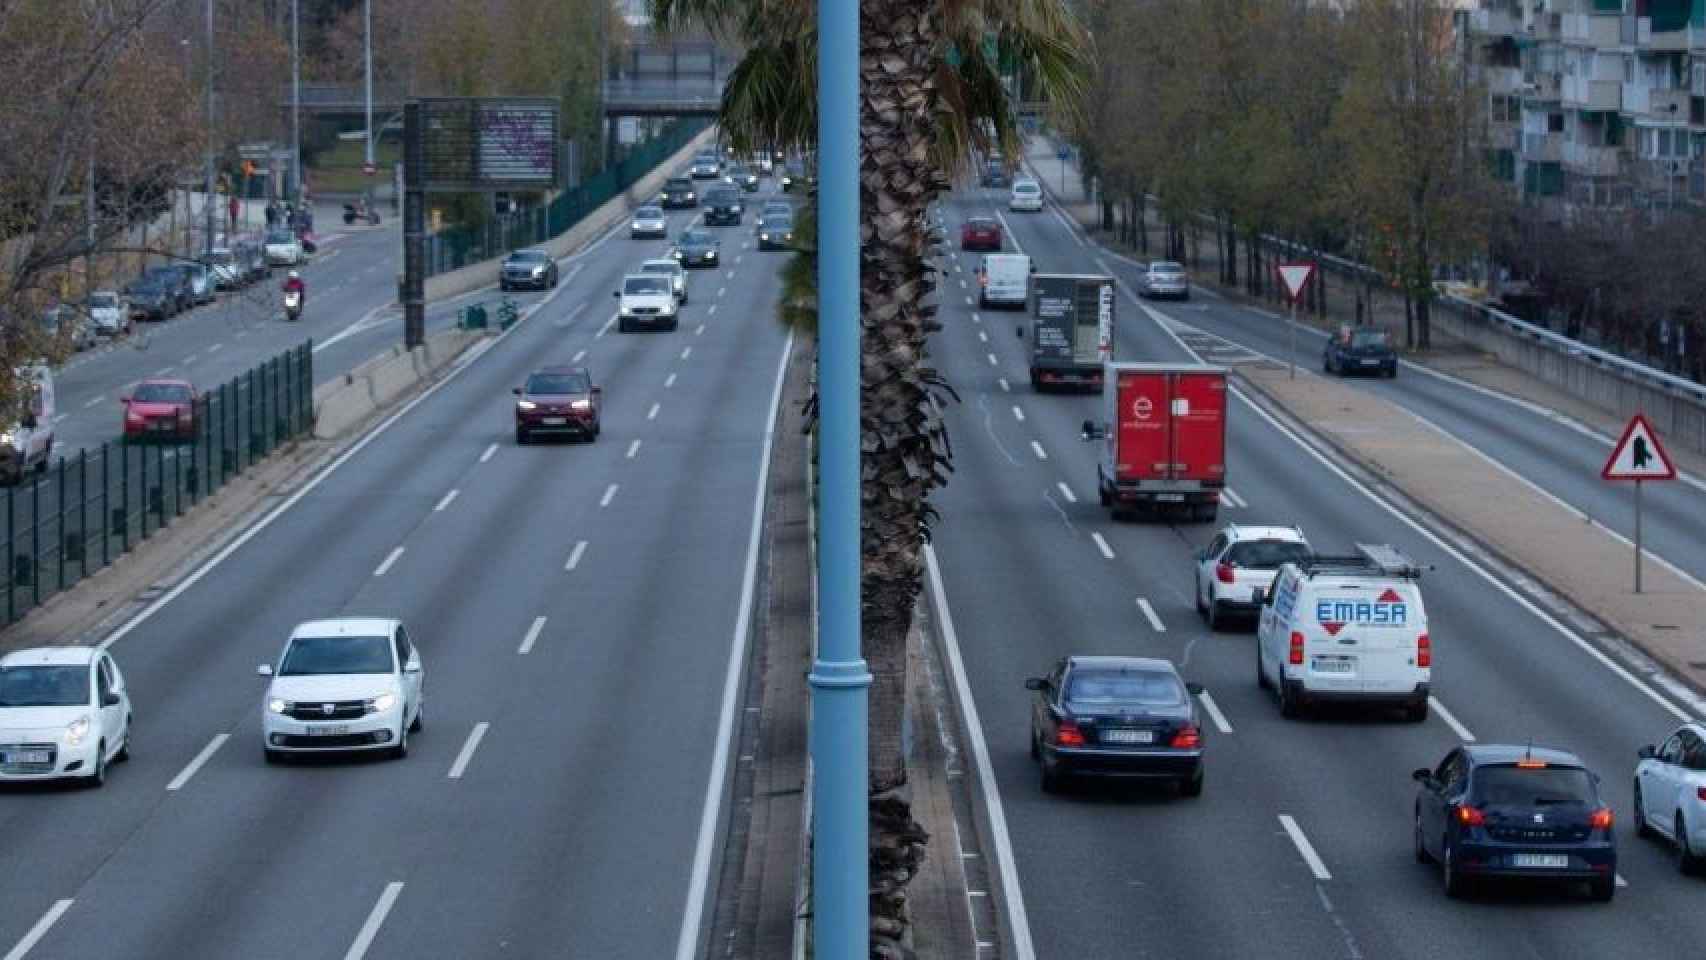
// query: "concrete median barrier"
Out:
[343,404]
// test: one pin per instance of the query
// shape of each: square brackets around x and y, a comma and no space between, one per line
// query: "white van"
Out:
[28,441]
[1346,629]
[1004,280]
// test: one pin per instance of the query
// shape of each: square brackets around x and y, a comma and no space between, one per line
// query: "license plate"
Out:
[1170,497]
[1552,861]
[27,756]
[329,730]
[1128,736]
[554,421]
[1371,363]
[1331,665]
[162,425]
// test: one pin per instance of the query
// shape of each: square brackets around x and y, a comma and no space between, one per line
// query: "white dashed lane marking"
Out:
[1102,545]
[1066,492]
[575,556]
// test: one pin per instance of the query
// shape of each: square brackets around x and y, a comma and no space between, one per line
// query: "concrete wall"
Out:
[485,273]
[341,405]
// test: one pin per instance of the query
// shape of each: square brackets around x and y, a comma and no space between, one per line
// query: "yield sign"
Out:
[1638,456]
[1295,276]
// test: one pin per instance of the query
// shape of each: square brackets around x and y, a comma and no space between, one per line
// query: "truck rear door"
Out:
[1053,331]
[1198,408]
[1142,435]
[1093,338]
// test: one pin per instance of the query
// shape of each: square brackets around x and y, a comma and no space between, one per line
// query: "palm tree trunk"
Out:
[905,449]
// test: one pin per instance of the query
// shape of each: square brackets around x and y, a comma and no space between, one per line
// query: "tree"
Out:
[931,93]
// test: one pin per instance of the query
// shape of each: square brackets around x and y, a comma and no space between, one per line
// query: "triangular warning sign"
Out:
[1639,456]
[1390,596]
[1295,276]
[1332,628]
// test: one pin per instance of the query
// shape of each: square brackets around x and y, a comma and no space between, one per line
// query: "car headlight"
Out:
[676,254]
[131,416]
[77,729]
[277,705]
[710,254]
[689,194]
[788,237]
[581,404]
[764,236]
[384,702]
[538,271]
[525,404]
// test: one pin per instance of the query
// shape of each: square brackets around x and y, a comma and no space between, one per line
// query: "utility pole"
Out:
[207,203]
[367,44]
[296,99]
[839,680]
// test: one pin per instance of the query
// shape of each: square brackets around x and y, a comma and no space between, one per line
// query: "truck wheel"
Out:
[1416,712]
[1205,512]
[1102,492]
[1288,705]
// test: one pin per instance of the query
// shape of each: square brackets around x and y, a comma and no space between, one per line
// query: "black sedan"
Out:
[776,232]
[679,192]
[744,177]
[528,268]
[1360,350]
[723,207]
[558,400]
[150,298]
[696,248]
[1116,717]
[1492,810]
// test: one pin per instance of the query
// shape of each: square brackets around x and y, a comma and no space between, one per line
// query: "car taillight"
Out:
[1600,819]
[1223,572]
[1068,735]
[1700,793]
[1296,657]
[1188,738]
[1470,816]
[1424,651]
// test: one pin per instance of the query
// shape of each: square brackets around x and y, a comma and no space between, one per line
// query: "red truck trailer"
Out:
[1164,438]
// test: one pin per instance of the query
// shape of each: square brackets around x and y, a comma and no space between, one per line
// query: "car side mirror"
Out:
[1647,752]
[1090,431]
[264,669]
[1422,776]
[125,399]
[598,391]
[616,293]
[1194,689]
[413,666]
[110,699]
[1033,683]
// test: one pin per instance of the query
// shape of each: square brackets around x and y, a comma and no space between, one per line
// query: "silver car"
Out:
[1164,278]
[649,221]
[677,275]
[109,315]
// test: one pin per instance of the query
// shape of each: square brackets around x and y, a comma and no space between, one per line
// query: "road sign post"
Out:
[1062,154]
[1638,456]
[1295,276]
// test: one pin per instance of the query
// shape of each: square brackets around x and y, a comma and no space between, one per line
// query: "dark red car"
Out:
[980,233]
[558,400]
[160,408]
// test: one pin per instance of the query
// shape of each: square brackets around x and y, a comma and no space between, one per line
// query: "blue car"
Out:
[1530,813]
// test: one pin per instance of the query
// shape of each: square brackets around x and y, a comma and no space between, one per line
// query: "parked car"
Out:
[203,288]
[68,324]
[64,713]
[251,260]
[558,400]
[1670,794]
[1116,718]
[352,683]
[109,314]
[177,284]
[1164,278]
[528,268]
[227,274]
[160,409]
[649,221]
[27,441]
[1360,350]
[980,233]
[151,297]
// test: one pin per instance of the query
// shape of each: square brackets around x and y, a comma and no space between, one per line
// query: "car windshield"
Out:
[280,236]
[778,222]
[1166,269]
[644,285]
[1147,687]
[1370,338]
[980,224]
[527,256]
[720,196]
[1516,786]
[661,266]
[558,383]
[100,300]
[648,213]
[161,393]
[1026,188]
[696,238]
[44,686]
[164,274]
[323,656]
[1266,554]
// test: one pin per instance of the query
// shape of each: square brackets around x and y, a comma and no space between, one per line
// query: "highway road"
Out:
[1301,843]
[575,606]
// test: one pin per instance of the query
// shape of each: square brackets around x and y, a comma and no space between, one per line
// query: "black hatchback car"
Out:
[1116,717]
[1492,810]
[723,207]
[527,268]
[150,298]
[1360,350]
[696,248]
[678,192]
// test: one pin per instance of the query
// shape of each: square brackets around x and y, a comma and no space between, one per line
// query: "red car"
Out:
[980,233]
[160,408]
[560,400]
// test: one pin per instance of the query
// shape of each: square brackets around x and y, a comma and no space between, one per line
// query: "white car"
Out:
[109,315]
[64,712]
[648,221]
[226,274]
[352,683]
[1164,278]
[676,272]
[283,249]
[646,300]
[1240,563]
[1670,794]
[1027,196]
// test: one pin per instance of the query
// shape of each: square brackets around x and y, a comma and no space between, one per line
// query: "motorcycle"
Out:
[293,305]
[352,213]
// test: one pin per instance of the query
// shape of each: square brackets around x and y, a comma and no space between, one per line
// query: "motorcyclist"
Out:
[294,284]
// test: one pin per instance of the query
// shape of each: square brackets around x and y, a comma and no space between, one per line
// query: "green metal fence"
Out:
[459,246]
[87,510]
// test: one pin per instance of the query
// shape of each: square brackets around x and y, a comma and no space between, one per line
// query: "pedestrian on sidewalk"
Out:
[272,214]
[232,206]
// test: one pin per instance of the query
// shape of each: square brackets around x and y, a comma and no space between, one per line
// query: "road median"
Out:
[344,404]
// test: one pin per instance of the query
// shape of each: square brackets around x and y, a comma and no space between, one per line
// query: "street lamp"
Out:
[207,196]
[296,100]
[367,49]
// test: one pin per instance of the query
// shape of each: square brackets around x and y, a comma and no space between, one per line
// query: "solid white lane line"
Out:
[1000,839]
[389,559]
[669,381]
[1304,847]
[1232,498]
[993,361]
[92,402]
[474,737]
[578,355]
[687,944]
[40,930]
[983,337]
[205,755]
[575,556]
[1037,449]
[488,454]
[633,448]
[1004,386]
[1214,712]
[1102,545]
[1066,492]
[445,502]
[711,310]
[700,331]
[606,328]
[609,494]
[1450,721]
[375,920]
[60,417]
[1018,414]
[686,352]
[214,346]
[652,414]
[1149,613]
[532,635]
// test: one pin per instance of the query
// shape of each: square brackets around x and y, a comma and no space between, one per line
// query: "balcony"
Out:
[1647,103]
[1540,87]
[1502,81]
[1590,161]
[1543,28]
[1542,148]
[1689,37]
[1580,93]
[1592,30]
[1493,23]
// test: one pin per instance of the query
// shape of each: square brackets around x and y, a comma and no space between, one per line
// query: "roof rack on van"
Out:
[1369,558]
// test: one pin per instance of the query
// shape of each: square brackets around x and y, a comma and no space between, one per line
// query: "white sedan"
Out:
[64,712]
[1670,794]
[354,683]
[283,249]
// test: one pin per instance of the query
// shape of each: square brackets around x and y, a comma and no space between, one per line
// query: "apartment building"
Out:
[1595,102]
